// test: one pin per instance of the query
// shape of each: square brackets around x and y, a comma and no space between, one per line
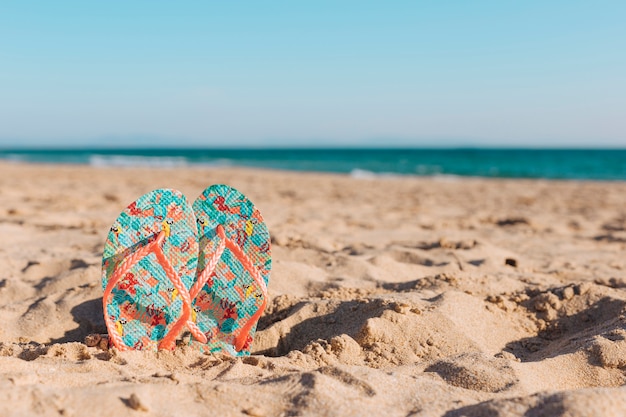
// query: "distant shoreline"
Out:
[558,164]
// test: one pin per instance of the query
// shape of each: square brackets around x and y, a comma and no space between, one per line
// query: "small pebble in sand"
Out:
[402,308]
[92,340]
[135,403]
[254,412]
[511,262]
[97,340]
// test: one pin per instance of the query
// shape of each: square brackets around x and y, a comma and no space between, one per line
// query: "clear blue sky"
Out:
[300,73]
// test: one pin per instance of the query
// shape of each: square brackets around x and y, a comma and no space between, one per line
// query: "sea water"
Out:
[582,164]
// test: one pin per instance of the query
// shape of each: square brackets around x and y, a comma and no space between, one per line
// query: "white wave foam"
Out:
[423,170]
[136,161]
[362,174]
[216,163]
[13,157]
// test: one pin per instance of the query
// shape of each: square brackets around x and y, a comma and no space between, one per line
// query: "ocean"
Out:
[571,164]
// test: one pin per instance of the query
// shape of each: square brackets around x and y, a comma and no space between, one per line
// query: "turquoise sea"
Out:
[597,164]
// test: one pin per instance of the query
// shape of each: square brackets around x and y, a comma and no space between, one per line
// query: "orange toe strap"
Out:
[210,264]
[225,242]
[169,340]
[242,336]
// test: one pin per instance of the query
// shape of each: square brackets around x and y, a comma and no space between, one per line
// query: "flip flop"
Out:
[234,262]
[148,266]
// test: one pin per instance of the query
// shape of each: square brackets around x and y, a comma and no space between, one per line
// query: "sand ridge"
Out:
[389,296]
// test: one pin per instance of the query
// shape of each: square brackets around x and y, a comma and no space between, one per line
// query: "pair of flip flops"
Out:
[169,267]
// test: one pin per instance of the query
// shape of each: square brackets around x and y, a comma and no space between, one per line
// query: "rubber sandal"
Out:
[149,265]
[234,263]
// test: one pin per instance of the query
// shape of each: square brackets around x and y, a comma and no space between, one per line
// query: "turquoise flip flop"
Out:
[149,264]
[234,263]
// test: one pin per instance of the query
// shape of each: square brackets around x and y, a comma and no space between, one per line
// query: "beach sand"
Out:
[389,296]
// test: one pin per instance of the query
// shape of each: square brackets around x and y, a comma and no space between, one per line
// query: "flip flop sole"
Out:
[231,296]
[144,305]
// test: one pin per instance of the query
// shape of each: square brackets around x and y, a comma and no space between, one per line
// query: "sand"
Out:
[389,296]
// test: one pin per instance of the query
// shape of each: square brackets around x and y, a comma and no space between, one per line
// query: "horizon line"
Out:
[301,148]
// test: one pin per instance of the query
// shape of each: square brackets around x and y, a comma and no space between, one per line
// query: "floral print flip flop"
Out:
[149,265]
[234,263]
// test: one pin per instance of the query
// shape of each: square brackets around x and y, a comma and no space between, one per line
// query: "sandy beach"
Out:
[389,296]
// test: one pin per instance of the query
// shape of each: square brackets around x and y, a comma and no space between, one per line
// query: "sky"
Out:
[313,73]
